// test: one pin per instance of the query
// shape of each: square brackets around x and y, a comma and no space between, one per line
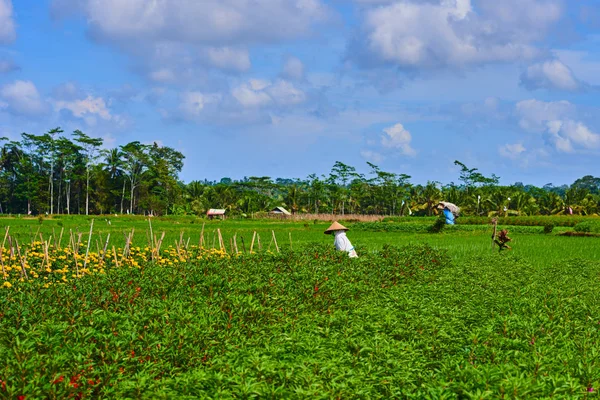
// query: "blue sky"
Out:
[284,88]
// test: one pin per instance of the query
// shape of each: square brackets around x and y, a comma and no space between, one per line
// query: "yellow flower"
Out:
[7,284]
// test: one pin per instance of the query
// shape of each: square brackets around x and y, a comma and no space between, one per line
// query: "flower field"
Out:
[406,321]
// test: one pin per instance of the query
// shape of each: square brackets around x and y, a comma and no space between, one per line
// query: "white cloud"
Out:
[396,137]
[200,22]
[559,124]
[285,93]
[85,108]
[258,93]
[293,69]
[193,103]
[551,74]
[23,98]
[7,25]
[228,58]
[534,115]
[248,96]
[512,151]
[452,33]
[183,41]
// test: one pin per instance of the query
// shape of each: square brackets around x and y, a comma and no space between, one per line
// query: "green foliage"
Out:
[588,227]
[548,228]
[405,322]
[438,225]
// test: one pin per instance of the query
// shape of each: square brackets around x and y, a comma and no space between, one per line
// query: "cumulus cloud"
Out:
[397,137]
[293,69]
[90,106]
[260,93]
[206,22]
[170,37]
[22,98]
[534,115]
[512,151]
[559,125]
[7,25]
[553,75]
[452,33]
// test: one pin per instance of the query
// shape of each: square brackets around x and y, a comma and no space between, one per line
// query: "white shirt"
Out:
[342,243]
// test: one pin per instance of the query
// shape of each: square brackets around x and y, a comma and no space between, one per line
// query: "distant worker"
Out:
[450,211]
[341,242]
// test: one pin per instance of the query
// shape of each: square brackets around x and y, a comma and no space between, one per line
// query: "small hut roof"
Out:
[215,211]
[281,210]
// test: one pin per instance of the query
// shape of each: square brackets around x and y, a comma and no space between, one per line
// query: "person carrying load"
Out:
[341,242]
[451,211]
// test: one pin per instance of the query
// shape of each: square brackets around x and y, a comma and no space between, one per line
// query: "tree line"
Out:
[56,174]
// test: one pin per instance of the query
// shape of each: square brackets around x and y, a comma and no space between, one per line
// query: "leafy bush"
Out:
[548,228]
[588,227]
[401,323]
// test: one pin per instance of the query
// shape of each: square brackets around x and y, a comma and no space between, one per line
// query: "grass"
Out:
[472,241]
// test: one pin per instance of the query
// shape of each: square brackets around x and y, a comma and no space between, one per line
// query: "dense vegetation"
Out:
[55,174]
[402,322]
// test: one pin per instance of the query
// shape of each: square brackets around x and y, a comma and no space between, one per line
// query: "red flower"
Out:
[132,353]
[59,380]
[21,397]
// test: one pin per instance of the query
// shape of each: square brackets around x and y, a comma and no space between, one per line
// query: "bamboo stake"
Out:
[178,249]
[87,250]
[201,242]
[275,240]
[23,270]
[231,244]
[55,238]
[115,255]
[258,241]
[2,263]
[159,244]
[12,249]
[252,244]
[4,275]
[5,235]
[46,257]
[235,243]
[243,244]
[71,240]
[36,234]
[151,236]
[60,239]
[221,243]
[105,246]
[98,250]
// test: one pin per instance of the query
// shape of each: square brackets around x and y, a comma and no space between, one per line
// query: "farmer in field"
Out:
[341,242]
[450,211]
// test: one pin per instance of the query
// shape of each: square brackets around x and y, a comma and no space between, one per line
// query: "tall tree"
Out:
[135,164]
[91,147]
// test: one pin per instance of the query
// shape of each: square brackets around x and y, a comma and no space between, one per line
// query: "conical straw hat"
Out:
[336,226]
